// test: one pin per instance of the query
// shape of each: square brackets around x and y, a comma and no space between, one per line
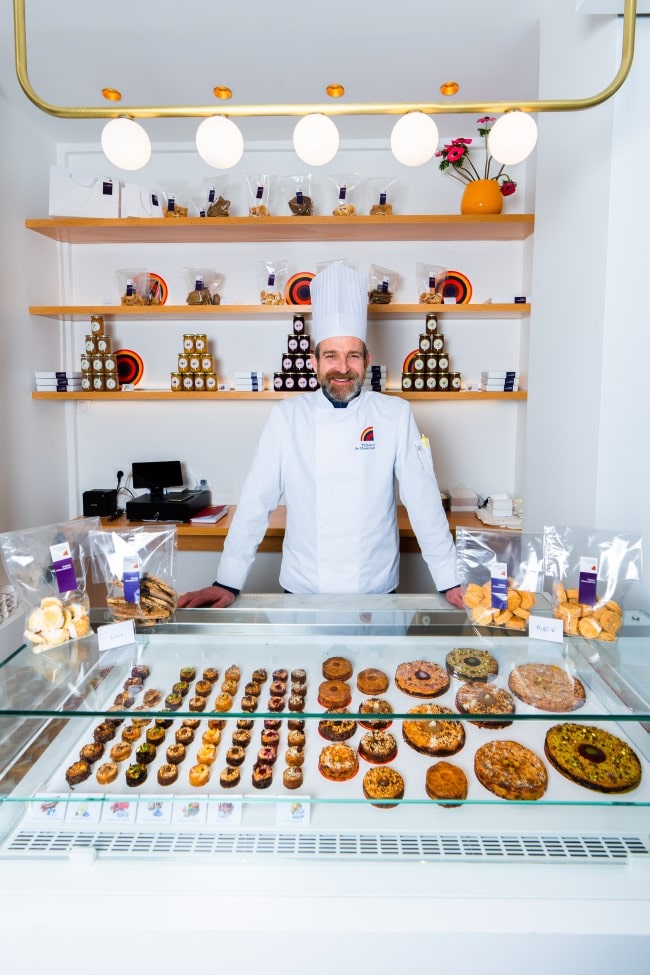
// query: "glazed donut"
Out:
[372,681]
[337,668]
[421,678]
[469,664]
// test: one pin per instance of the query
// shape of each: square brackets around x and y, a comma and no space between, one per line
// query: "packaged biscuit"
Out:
[259,194]
[344,203]
[591,572]
[138,287]
[175,198]
[272,278]
[48,567]
[137,567]
[297,192]
[213,200]
[500,575]
[382,283]
[203,285]
[430,280]
[382,190]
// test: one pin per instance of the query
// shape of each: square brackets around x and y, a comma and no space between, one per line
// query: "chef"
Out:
[335,456]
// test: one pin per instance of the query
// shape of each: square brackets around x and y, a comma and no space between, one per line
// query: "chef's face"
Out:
[341,365]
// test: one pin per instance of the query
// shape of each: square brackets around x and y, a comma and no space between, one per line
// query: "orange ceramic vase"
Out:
[481,196]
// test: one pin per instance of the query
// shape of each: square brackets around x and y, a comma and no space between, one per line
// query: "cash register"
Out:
[164,498]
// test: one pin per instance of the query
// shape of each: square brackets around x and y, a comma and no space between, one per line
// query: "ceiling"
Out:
[159,52]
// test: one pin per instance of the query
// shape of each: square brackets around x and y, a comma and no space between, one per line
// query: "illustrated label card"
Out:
[499,585]
[225,813]
[587,581]
[190,811]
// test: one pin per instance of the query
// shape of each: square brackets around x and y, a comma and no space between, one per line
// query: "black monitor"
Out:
[157,475]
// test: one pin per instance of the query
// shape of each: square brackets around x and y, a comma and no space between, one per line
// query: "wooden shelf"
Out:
[210,538]
[184,312]
[144,395]
[131,230]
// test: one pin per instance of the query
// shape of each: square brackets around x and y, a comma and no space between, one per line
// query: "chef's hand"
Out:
[213,596]
[455,597]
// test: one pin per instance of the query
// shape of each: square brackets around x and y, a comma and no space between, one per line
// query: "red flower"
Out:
[455,153]
[508,187]
[485,120]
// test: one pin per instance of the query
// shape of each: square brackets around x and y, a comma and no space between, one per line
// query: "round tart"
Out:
[173,701]
[334,694]
[277,687]
[247,724]
[338,762]
[431,735]
[421,678]
[381,785]
[211,736]
[372,681]
[510,770]
[281,674]
[592,757]
[136,775]
[378,747]
[107,773]
[152,697]
[184,735]
[262,775]
[175,754]
[294,756]
[155,735]
[276,703]
[479,699]
[547,687]
[229,686]
[337,729]
[296,739]
[469,664]
[241,737]
[167,773]
[259,675]
[229,777]
[270,736]
[337,668]
[181,687]
[249,702]
[140,670]
[297,703]
[192,723]
[267,755]
[223,702]
[199,775]
[211,674]
[197,703]
[203,688]
[233,673]
[235,755]
[299,676]
[164,723]
[253,688]
[375,705]
[296,724]
[104,732]
[131,733]
[120,751]
[187,674]
[445,781]
[292,777]
[145,753]
[91,752]
[123,700]
[270,724]
[206,754]
[77,772]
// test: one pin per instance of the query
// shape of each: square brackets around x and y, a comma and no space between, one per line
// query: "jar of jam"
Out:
[103,343]
[199,381]
[424,342]
[454,380]
[289,381]
[304,344]
[292,343]
[418,382]
[96,325]
[200,343]
[211,381]
[431,362]
[299,362]
[431,382]
[298,324]
[438,343]
[98,363]
[188,343]
[188,382]
[431,323]
[90,344]
[86,362]
[278,381]
[301,381]
[183,362]
[111,382]
[98,382]
[87,381]
[194,360]
[110,363]
[407,381]
[443,381]
[443,362]
[287,362]
[419,363]
[207,362]
[176,382]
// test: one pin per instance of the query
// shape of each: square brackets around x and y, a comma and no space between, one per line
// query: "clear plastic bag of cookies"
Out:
[49,569]
[203,285]
[297,193]
[430,281]
[501,575]
[344,202]
[175,198]
[214,198]
[382,284]
[272,277]
[591,572]
[383,191]
[259,194]
[137,568]
[137,286]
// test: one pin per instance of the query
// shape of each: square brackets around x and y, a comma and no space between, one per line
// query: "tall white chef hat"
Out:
[339,303]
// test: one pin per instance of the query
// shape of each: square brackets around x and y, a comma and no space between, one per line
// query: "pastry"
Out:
[280,674]
[229,777]
[299,676]
[91,752]
[514,616]
[173,701]
[277,687]
[270,737]
[547,687]
[382,785]
[276,703]
[218,723]
[140,722]
[297,703]
[431,735]
[337,668]
[192,723]
[181,687]
[140,670]
[229,686]
[135,775]
[235,755]
[378,747]
[175,754]
[233,673]
[106,773]
[372,681]
[262,775]
[292,777]
[296,739]
[469,664]
[120,751]
[155,735]
[187,674]
[211,736]
[267,755]
[206,754]
[337,729]
[481,699]
[253,688]
[592,757]
[421,678]
[167,773]
[184,735]
[241,737]
[294,755]
[334,694]
[510,770]
[296,724]
[199,775]
[270,724]
[145,753]
[131,733]
[259,675]
[223,702]
[249,703]
[197,703]
[104,732]
[445,781]
[164,723]
[299,690]
[211,674]
[152,697]
[338,762]
[77,772]
[375,705]
[123,700]
[134,683]
[203,688]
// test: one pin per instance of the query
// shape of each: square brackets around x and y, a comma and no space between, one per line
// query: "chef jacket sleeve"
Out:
[260,495]
[420,494]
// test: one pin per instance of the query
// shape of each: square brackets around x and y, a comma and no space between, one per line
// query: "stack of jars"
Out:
[195,370]
[430,366]
[296,374]
[98,361]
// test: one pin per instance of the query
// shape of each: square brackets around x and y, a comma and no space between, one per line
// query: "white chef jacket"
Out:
[336,468]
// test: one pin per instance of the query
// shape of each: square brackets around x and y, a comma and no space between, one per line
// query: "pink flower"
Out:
[485,120]
[455,153]
[508,187]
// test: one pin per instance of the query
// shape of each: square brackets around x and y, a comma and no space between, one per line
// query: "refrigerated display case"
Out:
[256,857]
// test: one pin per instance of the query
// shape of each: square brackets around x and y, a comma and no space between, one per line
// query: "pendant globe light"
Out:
[316,139]
[219,142]
[512,138]
[414,139]
[126,144]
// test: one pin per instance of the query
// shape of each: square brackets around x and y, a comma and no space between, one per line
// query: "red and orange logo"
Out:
[367,435]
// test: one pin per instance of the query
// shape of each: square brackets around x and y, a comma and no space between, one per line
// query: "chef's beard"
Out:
[337,393]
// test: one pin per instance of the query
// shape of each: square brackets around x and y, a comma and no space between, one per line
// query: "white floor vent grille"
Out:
[108,844]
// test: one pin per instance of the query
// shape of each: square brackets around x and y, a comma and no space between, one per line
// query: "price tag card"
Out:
[84,810]
[499,585]
[190,811]
[119,810]
[294,813]
[546,628]
[53,810]
[113,635]
[225,812]
[154,810]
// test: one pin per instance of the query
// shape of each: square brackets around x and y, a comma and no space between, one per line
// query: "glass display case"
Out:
[484,744]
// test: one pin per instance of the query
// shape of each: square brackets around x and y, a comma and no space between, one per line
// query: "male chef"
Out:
[335,455]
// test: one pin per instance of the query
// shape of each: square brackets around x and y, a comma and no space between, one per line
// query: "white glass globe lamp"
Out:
[414,139]
[512,138]
[126,144]
[219,142]
[316,139]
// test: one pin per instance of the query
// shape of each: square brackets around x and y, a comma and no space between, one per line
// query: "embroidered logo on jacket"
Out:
[367,439]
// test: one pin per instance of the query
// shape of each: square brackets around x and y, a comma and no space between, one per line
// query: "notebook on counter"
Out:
[209,515]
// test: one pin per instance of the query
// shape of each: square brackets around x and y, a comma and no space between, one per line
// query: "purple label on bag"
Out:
[587,581]
[131,578]
[432,282]
[382,199]
[63,566]
[201,212]
[298,196]
[154,199]
[342,193]
[271,279]
[107,187]
[499,585]
[260,193]
[171,204]
[211,195]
